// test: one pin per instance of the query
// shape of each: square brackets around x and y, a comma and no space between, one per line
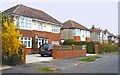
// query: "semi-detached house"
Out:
[102,36]
[34,25]
[75,31]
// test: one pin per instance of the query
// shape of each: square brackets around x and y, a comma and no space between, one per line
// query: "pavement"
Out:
[107,64]
[2,67]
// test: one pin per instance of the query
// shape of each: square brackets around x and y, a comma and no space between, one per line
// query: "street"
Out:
[107,64]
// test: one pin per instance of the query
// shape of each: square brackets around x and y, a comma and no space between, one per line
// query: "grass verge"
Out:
[47,69]
[89,59]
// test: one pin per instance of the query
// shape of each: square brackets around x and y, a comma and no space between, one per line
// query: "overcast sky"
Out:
[101,13]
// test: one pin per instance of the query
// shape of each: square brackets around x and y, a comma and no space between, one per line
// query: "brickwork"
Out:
[76,38]
[87,39]
[60,54]
[41,34]
[96,49]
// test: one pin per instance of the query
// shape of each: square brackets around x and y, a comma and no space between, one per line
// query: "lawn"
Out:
[47,69]
[90,58]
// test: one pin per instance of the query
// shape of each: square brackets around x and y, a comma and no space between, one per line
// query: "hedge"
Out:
[107,48]
[90,45]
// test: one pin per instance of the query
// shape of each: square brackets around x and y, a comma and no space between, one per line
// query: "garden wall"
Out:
[68,53]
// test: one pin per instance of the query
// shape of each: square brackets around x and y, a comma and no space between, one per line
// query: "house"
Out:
[110,36]
[96,34]
[75,31]
[34,25]
[101,36]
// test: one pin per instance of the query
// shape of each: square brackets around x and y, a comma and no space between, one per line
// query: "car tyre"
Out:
[42,55]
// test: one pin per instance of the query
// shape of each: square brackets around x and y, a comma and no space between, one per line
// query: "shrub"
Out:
[14,60]
[90,45]
[68,42]
[107,48]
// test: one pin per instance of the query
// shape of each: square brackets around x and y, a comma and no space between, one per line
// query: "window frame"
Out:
[28,39]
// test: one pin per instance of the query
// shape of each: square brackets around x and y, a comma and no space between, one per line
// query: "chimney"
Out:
[93,26]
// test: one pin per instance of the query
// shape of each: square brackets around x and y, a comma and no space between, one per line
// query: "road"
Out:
[107,64]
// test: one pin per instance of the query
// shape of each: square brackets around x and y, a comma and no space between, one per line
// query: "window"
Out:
[76,32]
[17,21]
[88,33]
[27,41]
[40,26]
[55,29]
[23,22]
[55,42]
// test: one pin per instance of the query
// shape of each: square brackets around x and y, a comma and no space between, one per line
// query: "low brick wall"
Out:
[96,49]
[28,50]
[60,54]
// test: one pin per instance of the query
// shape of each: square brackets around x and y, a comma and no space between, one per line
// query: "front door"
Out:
[42,41]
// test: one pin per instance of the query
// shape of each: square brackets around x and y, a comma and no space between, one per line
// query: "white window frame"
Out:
[55,42]
[40,40]
[24,22]
[23,39]
[40,26]
[55,29]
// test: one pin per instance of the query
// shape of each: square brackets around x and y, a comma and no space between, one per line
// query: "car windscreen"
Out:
[48,46]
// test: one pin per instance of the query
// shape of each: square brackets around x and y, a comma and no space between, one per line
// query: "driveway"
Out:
[37,58]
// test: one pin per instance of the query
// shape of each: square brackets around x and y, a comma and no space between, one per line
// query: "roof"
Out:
[110,34]
[96,30]
[70,24]
[26,11]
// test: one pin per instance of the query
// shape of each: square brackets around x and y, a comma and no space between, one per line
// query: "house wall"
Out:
[30,27]
[93,37]
[76,34]
[97,37]
[105,38]
[67,34]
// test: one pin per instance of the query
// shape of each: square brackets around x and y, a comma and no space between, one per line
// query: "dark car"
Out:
[46,49]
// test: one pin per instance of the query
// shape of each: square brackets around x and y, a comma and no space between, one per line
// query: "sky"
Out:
[100,13]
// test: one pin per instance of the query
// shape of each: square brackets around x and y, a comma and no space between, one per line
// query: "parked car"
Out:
[46,49]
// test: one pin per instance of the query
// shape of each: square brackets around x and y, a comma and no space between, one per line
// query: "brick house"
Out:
[75,31]
[34,25]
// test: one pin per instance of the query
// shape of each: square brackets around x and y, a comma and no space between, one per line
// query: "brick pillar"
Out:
[96,49]
[55,48]
[73,47]
[24,54]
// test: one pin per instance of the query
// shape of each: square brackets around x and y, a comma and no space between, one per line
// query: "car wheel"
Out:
[42,55]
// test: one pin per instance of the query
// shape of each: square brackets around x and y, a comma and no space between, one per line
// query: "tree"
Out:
[10,41]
